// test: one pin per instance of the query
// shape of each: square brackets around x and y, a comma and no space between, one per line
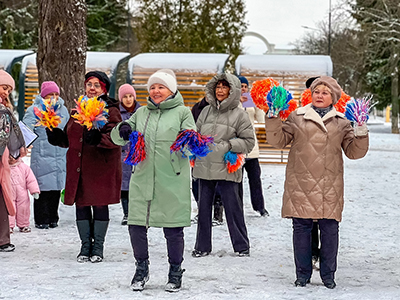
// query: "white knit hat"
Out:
[165,77]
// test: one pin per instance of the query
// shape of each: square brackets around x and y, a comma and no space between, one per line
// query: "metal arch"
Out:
[270,47]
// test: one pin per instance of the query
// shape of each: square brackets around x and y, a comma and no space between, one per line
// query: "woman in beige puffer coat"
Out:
[314,174]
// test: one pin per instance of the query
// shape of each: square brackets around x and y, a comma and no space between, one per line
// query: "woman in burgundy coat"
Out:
[93,170]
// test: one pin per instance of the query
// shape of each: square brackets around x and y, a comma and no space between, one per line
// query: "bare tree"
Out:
[62,46]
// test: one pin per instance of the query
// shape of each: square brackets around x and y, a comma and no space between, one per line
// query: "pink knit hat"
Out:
[49,87]
[6,79]
[126,89]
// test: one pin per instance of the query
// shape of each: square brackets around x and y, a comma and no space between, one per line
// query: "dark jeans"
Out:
[45,209]
[140,245]
[233,211]
[100,213]
[125,202]
[252,167]
[302,245]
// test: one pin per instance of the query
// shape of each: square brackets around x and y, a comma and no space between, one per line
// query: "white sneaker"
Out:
[82,259]
[96,259]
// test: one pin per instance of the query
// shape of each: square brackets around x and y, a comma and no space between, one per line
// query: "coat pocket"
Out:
[174,159]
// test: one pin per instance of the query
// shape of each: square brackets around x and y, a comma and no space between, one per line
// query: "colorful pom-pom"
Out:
[191,140]
[91,112]
[234,161]
[48,113]
[259,92]
[137,149]
[285,113]
[306,97]
[192,160]
[357,110]
[340,106]
[278,100]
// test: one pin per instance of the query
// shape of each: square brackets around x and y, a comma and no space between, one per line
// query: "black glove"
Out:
[92,137]
[55,136]
[125,131]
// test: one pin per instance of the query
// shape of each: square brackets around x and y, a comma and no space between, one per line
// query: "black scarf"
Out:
[322,111]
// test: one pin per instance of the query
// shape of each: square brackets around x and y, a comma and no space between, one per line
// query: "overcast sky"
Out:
[281,21]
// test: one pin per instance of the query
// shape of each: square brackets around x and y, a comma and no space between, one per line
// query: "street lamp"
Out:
[329,28]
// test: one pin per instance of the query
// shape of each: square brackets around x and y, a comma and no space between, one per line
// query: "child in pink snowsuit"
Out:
[22,181]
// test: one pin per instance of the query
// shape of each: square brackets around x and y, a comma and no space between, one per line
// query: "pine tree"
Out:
[19,28]
[380,21]
[204,26]
[106,24]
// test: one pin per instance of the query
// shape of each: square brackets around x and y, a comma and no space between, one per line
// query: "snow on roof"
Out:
[8,57]
[298,64]
[187,62]
[104,61]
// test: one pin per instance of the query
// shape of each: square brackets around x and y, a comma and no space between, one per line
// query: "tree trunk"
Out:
[62,45]
[394,61]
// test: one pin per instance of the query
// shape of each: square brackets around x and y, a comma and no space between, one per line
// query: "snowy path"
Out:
[44,266]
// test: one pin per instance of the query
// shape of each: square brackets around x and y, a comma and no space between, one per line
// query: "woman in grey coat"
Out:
[232,131]
[48,162]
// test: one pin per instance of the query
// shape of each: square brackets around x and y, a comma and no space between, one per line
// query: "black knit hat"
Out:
[310,81]
[100,76]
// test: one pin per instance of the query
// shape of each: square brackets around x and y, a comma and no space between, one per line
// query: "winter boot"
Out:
[174,278]
[141,275]
[99,235]
[86,240]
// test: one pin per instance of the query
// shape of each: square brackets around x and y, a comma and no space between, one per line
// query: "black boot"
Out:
[99,235]
[141,275]
[86,240]
[174,278]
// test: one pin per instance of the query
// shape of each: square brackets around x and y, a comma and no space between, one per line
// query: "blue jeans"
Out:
[302,245]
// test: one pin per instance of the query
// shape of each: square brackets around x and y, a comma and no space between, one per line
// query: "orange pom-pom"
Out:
[292,107]
[306,97]
[260,90]
[341,104]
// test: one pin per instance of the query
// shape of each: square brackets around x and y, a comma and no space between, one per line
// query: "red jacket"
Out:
[93,172]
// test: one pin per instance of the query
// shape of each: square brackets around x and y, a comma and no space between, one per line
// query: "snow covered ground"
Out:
[44,265]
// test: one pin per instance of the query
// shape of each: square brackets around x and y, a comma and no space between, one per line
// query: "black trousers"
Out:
[140,244]
[45,209]
[100,213]
[302,245]
[252,167]
[125,202]
[233,206]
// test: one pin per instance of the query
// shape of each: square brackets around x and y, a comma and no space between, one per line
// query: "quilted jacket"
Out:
[314,173]
[231,128]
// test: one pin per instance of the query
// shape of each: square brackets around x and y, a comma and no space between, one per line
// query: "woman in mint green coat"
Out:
[159,190]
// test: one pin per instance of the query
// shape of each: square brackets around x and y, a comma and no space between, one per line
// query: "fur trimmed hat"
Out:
[101,76]
[165,77]
[6,79]
[49,87]
[331,83]
[126,89]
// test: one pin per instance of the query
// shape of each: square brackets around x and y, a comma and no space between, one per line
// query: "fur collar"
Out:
[310,114]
